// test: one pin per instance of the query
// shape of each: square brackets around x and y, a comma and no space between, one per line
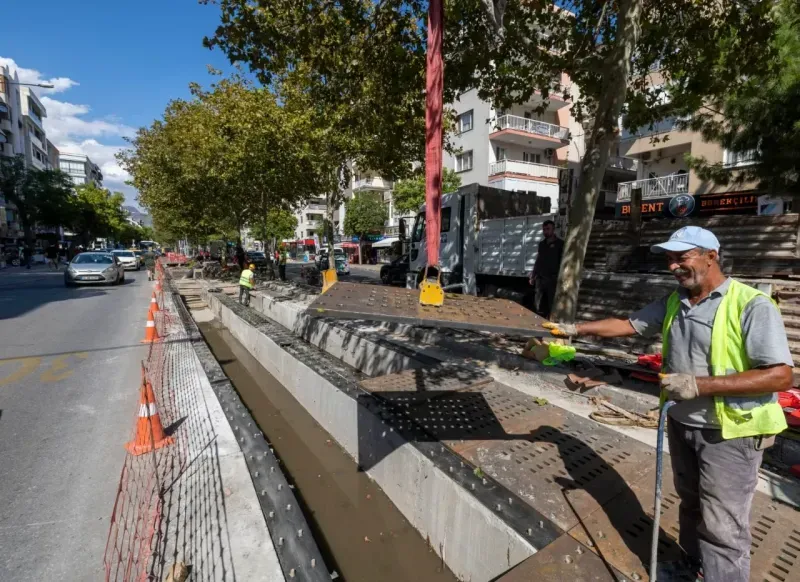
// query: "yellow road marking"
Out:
[28,366]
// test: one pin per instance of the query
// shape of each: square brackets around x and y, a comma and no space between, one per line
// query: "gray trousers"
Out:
[244,292]
[716,480]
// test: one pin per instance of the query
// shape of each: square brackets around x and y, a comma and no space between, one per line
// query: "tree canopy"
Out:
[216,162]
[364,213]
[42,197]
[279,224]
[760,124]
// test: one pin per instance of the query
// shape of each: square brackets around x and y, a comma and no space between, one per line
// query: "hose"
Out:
[662,423]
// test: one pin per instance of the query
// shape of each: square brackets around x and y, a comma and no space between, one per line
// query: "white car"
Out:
[128,259]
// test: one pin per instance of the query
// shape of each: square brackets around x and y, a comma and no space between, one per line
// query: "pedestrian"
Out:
[27,252]
[246,281]
[725,355]
[240,256]
[544,277]
[150,264]
[52,257]
[283,256]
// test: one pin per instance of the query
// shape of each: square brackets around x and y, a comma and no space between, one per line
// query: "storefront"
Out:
[688,205]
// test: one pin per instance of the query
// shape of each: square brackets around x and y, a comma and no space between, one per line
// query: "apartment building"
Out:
[53,156]
[11,142]
[519,149]
[669,187]
[81,169]
[310,218]
[34,138]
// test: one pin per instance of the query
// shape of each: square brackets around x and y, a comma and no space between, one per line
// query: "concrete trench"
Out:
[477,527]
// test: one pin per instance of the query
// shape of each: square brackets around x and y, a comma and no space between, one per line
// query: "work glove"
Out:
[561,329]
[679,386]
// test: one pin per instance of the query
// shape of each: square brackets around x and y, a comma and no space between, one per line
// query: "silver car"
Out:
[87,268]
[128,259]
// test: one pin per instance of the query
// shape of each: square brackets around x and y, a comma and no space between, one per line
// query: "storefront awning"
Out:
[349,245]
[385,243]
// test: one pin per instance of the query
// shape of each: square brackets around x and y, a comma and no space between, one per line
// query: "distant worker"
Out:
[725,355]
[150,264]
[246,282]
[544,277]
[283,257]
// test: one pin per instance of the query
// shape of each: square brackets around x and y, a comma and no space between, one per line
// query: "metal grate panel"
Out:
[353,301]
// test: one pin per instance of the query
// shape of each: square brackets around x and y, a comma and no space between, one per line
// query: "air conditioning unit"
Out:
[549,152]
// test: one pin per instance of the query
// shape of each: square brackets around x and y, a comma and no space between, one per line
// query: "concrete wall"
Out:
[474,542]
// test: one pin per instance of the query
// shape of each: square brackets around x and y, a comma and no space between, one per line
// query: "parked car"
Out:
[128,259]
[257,258]
[92,267]
[342,264]
[395,272]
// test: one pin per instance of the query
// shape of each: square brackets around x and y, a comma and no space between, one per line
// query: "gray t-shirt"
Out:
[690,343]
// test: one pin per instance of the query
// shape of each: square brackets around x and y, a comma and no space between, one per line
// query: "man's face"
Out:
[548,230]
[691,267]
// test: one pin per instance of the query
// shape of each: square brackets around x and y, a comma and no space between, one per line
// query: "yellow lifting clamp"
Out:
[430,290]
[329,278]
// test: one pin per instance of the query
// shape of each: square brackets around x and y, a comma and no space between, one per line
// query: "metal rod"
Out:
[662,423]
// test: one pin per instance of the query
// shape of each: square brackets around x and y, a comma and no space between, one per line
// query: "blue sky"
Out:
[115,66]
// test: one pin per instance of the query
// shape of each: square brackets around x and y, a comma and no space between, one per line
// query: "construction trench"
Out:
[443,467]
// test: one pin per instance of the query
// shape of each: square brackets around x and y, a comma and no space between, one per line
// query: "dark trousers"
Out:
[244,292]
[716,480]
[544,295]
[282,272]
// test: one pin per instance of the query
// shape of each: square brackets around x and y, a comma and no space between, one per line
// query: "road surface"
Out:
[369,274]
[69,377]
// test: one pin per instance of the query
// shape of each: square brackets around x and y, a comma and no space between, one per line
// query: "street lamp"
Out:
[42,85]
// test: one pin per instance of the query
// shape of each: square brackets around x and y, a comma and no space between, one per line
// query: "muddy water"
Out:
[361,534]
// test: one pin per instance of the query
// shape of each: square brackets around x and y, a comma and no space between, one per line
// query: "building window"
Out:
[738,159]
[500,153]
[464,122]
[464,161]
[445,227]
[531,157]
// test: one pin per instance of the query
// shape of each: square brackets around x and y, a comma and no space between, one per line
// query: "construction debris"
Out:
[618,416]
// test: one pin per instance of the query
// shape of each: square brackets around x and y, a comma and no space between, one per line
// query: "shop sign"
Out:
[730,203]
[685,205]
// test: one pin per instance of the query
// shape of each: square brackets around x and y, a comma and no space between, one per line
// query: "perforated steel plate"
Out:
[564,560]
[393,304]
[436,378]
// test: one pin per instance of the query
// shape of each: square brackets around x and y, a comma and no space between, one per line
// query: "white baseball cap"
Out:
[687,238]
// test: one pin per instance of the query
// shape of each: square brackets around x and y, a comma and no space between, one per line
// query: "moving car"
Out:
[128,259]
[342,264]
[139,255]
[395,272]
[93,267]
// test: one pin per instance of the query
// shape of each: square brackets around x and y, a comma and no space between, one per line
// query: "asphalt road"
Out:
[368,274]
[69,377]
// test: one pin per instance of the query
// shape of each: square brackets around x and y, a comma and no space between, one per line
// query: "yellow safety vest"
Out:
[246,279]
[739,416]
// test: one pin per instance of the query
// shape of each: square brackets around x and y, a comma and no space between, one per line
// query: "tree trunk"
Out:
[598,149]
[331,200]
[635,225]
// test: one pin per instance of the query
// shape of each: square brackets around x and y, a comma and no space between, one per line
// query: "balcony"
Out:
[372,183]
[36,141]
[664,187]
[524,131]
[517,168]
[35,118]
[625,164]
[316,207]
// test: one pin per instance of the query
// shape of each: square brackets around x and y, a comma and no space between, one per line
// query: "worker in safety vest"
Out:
[725,355]
[246,281]
[282,258]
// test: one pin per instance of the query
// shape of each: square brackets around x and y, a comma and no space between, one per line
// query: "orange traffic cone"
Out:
[149,432]
[154,304]
[150,331]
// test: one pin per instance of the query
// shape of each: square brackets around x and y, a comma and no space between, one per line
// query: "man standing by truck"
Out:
[544,277]
[725,355]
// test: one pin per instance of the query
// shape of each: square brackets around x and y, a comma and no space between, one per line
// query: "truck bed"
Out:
[508,246]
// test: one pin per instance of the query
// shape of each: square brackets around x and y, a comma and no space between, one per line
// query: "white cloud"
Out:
[72,129]
[60,84]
